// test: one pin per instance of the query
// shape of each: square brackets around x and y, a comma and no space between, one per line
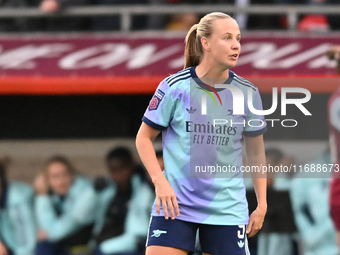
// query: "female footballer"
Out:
[202,187]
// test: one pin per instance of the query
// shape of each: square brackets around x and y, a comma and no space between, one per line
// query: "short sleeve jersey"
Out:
[202,146]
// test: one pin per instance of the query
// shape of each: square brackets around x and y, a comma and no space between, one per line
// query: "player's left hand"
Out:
[256,221]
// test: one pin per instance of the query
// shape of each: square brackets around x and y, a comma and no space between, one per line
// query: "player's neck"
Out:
[211,73]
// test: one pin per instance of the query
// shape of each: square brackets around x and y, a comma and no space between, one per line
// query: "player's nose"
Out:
[236,45]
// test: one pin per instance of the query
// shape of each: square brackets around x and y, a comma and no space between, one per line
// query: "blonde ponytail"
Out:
[192,56]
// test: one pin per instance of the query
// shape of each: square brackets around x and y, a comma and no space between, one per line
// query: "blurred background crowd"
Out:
[66,212]
[172,22]
[71,205]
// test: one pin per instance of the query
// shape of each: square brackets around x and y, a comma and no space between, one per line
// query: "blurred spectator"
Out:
[65,207]
[179,22]
[276,236]
[314,22]
[157,21]
[17,227]
[242,18]
[310,198]
[53,6]
[253,21]
[334,20]
[59,24]
[123,210]
[334,54]
[309,22]
[17,24]
[182,22]
[263,21]
[113,22]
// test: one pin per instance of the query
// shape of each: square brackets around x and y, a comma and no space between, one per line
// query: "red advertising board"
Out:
[136,63]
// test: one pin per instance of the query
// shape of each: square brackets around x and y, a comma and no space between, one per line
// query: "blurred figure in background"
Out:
[113,22]
[334,20]
[334,139]
[333,54]
[314,22]
[65,208]
[58,24]
[53,6]
[179,22]
[157,21]
[10,24]
[122,215]
[251,21]
[276,236]
[310,200]
[17,226]
[309,22]
[182,22]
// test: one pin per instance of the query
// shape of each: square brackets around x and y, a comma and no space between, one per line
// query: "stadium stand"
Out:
[76,77]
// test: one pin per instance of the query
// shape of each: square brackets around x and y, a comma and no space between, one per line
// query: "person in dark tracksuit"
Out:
[123,209]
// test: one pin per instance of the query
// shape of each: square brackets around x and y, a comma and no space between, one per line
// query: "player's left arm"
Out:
[256,157]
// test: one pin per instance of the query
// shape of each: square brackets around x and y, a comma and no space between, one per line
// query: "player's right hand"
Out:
[165,196]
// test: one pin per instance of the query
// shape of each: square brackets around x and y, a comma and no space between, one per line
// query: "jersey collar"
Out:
[205,86]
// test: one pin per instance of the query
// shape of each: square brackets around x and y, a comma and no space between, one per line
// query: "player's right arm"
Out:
[165,195]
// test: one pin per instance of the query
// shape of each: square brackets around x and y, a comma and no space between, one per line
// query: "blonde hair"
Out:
[193,46]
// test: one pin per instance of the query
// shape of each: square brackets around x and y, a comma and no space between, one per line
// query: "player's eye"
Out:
[228,38]
[238,39]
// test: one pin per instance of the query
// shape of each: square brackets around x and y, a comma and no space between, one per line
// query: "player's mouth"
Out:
[234,56]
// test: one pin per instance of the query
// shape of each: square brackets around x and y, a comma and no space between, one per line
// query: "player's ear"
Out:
[205,43]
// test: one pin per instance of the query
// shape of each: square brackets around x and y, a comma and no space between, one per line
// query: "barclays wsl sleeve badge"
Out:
[156,99]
